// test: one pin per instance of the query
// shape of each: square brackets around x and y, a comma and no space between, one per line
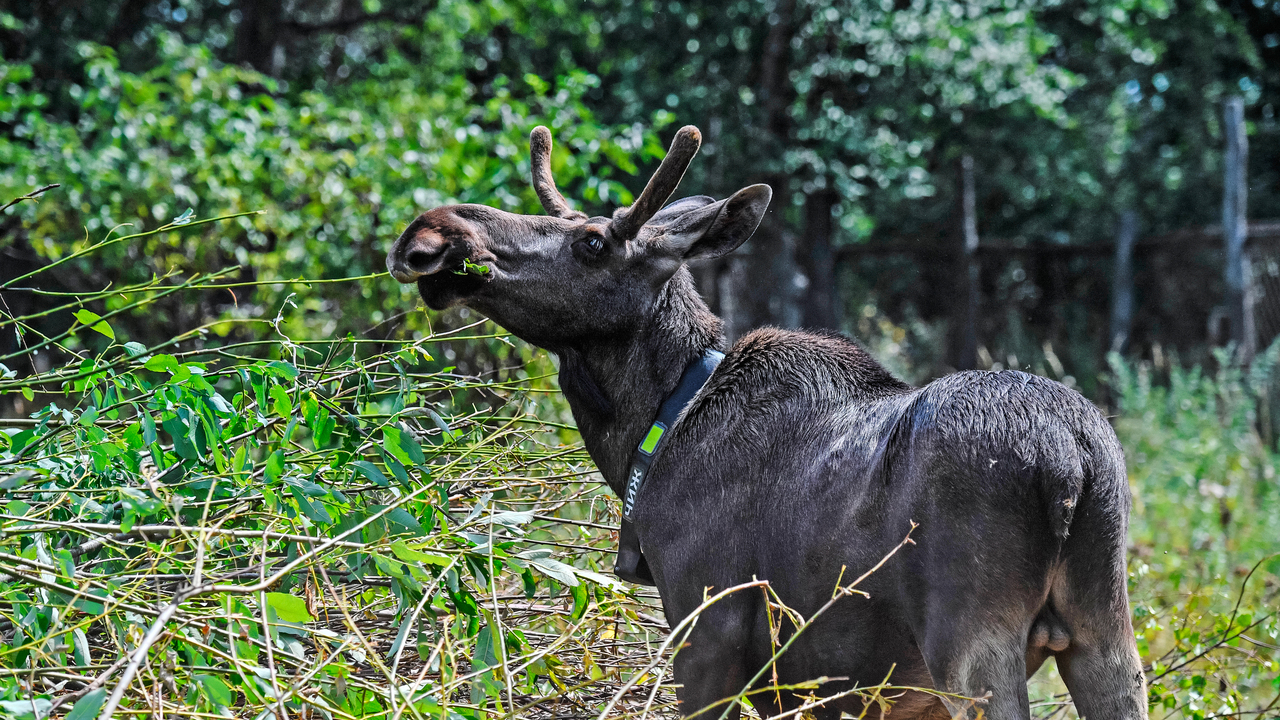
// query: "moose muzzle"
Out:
[420,251]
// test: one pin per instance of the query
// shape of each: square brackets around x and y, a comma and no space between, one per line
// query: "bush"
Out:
[336,175]
[335,528]
[1203,533]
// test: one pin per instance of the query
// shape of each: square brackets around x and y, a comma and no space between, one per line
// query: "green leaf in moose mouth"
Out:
[473,268]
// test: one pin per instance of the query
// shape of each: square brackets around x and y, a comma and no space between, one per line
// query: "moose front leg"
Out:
[711,664]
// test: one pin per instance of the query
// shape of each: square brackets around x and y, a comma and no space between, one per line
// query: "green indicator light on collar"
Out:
[651,440]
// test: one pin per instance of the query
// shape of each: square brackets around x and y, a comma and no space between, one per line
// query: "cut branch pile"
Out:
[298,527]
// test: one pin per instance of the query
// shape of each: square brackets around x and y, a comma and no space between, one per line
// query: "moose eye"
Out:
[590,248]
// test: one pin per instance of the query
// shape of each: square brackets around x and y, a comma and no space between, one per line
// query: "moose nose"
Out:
[419,252]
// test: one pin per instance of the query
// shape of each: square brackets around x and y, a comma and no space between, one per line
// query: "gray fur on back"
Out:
[802,461]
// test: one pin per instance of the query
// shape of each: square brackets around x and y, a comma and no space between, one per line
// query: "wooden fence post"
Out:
[1235,229]
[968,358]
[1122,282]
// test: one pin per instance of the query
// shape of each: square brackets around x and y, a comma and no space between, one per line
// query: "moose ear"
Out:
[719,228]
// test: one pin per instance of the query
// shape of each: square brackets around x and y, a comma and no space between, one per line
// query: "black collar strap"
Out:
[631,565]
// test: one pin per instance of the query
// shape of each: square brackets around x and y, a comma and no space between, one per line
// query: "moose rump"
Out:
[805,464]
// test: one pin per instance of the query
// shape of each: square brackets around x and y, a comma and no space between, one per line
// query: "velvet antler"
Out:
[540,161]
[663,183]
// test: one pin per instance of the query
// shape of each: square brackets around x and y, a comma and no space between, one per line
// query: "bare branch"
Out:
[29,196]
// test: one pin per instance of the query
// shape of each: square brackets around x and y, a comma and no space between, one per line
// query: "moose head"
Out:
[564,279]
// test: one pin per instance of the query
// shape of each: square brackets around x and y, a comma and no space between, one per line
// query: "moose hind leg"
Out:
[989,665]
[1106,683]
[1100,665]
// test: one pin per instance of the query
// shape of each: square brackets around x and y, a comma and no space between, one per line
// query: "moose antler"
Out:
[663,183]
[543,184]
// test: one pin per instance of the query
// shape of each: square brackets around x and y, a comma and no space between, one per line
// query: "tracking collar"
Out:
[631,565]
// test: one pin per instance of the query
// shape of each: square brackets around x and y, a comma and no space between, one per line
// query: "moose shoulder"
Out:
[801,460]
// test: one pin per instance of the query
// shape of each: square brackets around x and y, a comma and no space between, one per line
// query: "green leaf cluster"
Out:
[1206,514]
[340,527]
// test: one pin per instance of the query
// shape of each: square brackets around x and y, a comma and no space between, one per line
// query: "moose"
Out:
[801,461]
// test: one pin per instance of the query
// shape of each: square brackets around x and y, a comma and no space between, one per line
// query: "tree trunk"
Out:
[775,87]
[731,289]
[708,273]
[820,308]
[1235,230]
[258,35]
[1122,282]
[772,296]
[968,358]
[128,18]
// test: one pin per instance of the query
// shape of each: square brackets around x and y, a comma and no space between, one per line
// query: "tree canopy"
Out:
[343,119]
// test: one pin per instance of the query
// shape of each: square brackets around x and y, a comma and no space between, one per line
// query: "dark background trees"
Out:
[857,113]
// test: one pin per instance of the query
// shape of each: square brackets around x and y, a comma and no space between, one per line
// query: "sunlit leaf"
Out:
[289,608]
[95,322]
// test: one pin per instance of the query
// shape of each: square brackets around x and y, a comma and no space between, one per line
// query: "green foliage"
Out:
[360,115]
[1196,455]
[391,532]
[333,526]
[340,525]
[336,175]
[1203,532]
[1073,112]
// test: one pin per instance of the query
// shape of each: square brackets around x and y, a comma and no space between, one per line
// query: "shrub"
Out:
[1203,534]
[335,528]
[337,175]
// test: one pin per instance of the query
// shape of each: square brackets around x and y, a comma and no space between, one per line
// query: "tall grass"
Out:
[1204,533]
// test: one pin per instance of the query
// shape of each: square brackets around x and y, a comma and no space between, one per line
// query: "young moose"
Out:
[801,458]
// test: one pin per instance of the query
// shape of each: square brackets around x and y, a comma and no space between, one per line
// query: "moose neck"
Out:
[615,386]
